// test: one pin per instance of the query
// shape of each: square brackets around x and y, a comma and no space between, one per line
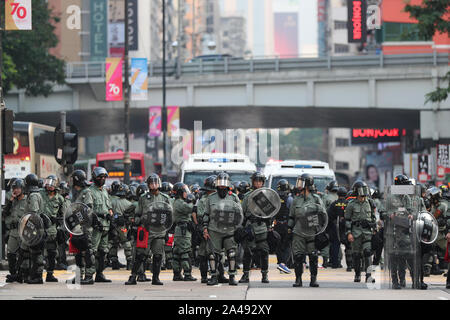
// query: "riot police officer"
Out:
[31,258]
[243,188]
[360,221]
[118,232]
[82,193]
[305,202]
[221,237]
[183,215]
[156,238]
[208,189]
[166,188]
[102,208]
[335,213]
[54,205]
[13,212]
[283,250]
[260,227]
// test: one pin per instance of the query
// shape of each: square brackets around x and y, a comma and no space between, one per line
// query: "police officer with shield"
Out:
[83,241]
[13,212]
[335,213]
[307,219]
[329,196]
[154,216]
[102,208]
[222,215]
[283,250]
[360,222]
[260,225]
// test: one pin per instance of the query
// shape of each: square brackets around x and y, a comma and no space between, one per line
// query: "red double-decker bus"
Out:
[113,163]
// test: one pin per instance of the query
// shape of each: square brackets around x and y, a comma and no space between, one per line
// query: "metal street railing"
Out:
[90,70]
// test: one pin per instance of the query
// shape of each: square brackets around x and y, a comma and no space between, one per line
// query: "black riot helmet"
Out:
[115,185]
[64,188]
[283,186]
[258,176]
[210,183]
[99,174]
[141,189]
[342,192]
[332,186]
[51,181]
[223,180]
[234,186]
[401,180]
[179,188]
[41,183]
[166,187]
[376,194]
[360,188]
[131,192]
[423,188]
[10,182]
[305,181]
[244,187]
[18,184]
[434,193]
[123,190]
[31,183]
[154,179]
[79,178]
[195,188]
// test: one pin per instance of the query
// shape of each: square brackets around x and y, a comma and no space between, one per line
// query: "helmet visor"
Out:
[300,184]
[220,182]
[363,191]
[50,183]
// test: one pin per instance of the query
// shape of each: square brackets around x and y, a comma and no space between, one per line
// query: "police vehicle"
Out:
[291,169]
[199,166]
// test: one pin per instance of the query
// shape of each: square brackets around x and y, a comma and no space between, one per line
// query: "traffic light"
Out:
[7,131]
[66,145]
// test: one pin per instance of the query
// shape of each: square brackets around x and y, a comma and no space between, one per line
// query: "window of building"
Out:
[341,165]
[342,142]
[338,25]
[393,31]
[341,48]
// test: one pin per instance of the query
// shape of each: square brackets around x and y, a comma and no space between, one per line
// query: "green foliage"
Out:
[27,63]
[440,94]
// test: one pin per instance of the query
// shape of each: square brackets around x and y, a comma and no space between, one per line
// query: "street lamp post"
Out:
[126,156]
[164,109]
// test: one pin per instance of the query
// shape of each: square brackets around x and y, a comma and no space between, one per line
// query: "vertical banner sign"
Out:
[356,24]
[286,34]
[173,120]
[322,20]
[154,121]
[424,167]
[114,90]
[99,30]
[443,160]
[132,24]
[139,79]
[18,15]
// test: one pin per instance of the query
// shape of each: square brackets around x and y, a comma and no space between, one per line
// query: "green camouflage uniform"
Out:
[182,238]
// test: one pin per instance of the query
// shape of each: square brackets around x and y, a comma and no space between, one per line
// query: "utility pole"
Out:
[126,156]
[164,109]
[2,171]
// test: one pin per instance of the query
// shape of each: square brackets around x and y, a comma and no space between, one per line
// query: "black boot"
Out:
[220,268]
[142,277]
[36,279]
[357,267]
[298,268]
[99,276]
[157,259]
[50,277]
[177,276]
[204,269]
[131,280]
[115,265]
[313,266]
[232,281]
[245,277]
[213,281]
[265,278]
[189,277]
[313,282]
[12,276]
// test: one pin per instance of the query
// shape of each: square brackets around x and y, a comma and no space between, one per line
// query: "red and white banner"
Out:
[154,121]
[114,88]
[18,15]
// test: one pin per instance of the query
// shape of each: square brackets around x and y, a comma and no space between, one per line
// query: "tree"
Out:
[433,16]
[27,63]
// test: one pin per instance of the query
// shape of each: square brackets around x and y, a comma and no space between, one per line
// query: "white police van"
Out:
[199,166]
[291,169]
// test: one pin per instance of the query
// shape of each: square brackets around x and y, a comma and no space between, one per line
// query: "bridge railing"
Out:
[89,70]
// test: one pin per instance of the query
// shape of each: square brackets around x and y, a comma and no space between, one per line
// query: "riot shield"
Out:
[159,217]
[31,229]
[402,246]
[264,203]
[77,218]
[427,228]
[313,220]
[225,216]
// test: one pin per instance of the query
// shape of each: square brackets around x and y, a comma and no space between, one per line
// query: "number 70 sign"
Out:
[18,15]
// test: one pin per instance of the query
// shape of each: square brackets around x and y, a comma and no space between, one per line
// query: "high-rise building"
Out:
[233,36]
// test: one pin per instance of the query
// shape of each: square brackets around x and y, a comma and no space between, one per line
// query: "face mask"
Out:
[99,182]
[222,192]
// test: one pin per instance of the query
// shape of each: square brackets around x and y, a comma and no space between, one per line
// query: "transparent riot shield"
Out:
[264,203]
[77,218]
[31,229]
[225,216]
[402,254]
[159,217]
